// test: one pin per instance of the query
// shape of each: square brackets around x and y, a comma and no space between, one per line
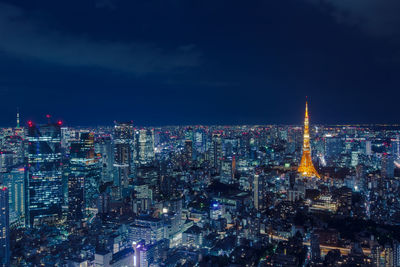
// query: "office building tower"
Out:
[387,166]
[123,155]
[4,228]
[45,194]
[144,147]
[6,161]
[14,146]
[84,175]
[76,197]
[216,151]
[104,147]
[227,170]
[15,181]
[188,152]
[200,140]
[259,191]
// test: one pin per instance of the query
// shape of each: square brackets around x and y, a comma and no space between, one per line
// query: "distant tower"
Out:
[306,167]
[17,117]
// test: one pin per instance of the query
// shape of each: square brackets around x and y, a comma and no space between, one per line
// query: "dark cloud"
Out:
[23,37]
[258,60]
[378,17]
[108,4]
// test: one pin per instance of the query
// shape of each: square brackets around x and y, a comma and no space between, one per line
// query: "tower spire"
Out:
[306,167]
[17,117]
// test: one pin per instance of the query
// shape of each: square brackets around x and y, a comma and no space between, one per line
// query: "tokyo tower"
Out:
[306,167]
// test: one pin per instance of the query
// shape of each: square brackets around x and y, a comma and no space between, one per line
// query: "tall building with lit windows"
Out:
[15,181]
[44,183]
[84,177]
[259,191]
[144,147]
[4,228]
[123,155]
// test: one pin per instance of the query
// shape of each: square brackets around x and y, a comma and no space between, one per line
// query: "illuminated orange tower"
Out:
[306,167]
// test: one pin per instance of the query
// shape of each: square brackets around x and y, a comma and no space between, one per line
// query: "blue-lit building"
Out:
[15,181]
[83,178]
[123,155]
[144,147]
[4,228]
[44,173]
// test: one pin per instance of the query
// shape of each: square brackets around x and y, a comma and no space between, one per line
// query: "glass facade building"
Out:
[44,173]
[4,228]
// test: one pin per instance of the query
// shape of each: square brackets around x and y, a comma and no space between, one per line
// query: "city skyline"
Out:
[46,118]
[154,133]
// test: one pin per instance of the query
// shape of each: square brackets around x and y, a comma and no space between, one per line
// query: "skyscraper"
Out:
[144,147]
[15,181]
[188,152]
[259,191]
[216,151]
[44,173]
[84,177]
[387,166]
[104,147]
[123,154]
[306,167]
[4,228]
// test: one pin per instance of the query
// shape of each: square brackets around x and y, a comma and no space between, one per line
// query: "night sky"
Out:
[171,62]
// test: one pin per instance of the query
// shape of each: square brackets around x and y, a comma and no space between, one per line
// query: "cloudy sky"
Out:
[160,62]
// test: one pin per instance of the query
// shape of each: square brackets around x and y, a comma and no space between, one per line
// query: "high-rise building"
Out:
[104,147]
[188,152]
[123,155]
[396,147]
[4,228]
[15,181]
[76,197]
[227,170]
[84,176]
[259,191]
[306,167]
[216,151]
[45,195]
[144,147]
[387,167]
